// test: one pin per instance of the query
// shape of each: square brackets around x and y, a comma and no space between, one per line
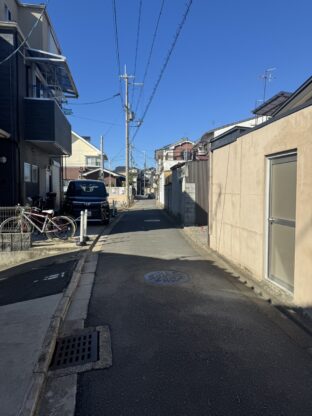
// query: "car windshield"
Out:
[87,189]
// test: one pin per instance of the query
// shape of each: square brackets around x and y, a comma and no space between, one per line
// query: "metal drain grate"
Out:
[75,350]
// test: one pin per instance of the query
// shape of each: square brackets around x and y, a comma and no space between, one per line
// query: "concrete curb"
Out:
[40,373]
[42,254]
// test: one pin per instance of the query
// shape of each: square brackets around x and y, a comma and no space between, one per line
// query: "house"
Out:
[260,198]
[186,193]
[85,157]
[168,156]
[201,148]
[35,80]
[111,178]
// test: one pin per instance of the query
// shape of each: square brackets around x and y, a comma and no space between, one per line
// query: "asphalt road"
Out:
[202,346]
[36,279]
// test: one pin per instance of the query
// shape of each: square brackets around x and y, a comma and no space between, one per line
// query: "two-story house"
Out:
[167,157]
[85,157]
[35,80]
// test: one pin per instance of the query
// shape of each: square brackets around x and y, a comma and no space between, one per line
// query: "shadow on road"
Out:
[202,347]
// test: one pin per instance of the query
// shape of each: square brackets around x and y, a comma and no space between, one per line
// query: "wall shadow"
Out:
[192,348]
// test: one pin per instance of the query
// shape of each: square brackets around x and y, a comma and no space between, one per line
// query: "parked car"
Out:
[90,195]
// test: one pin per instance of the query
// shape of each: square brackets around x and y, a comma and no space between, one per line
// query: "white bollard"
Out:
[85,233]
[81,234]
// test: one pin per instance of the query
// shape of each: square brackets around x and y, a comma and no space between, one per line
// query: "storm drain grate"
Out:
[75,350]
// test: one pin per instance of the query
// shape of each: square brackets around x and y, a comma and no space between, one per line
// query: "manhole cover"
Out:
[75,350]
[167,277]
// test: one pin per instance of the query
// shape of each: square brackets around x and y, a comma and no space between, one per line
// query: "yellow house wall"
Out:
[80,150]
[238,198]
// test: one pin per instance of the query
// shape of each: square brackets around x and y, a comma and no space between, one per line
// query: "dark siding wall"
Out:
[198,173]
[7,83]
[9,172]
[45,121]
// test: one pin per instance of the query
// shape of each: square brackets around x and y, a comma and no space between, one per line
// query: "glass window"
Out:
[34,174]
[7,13]
[27,172]
[87,188]
[93,161]
[283,191]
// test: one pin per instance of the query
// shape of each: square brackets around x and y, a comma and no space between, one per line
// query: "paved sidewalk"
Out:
[20,348]
[26,326]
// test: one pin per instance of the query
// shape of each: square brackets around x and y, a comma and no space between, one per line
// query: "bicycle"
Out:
[28,219]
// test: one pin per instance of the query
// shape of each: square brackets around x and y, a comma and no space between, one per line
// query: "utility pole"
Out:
[109,178]
[144,170]
[128,118]
[102,158]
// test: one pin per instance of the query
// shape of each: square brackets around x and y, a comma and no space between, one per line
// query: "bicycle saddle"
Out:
[48,211]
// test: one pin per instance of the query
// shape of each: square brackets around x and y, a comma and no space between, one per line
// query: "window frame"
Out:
[7,13]
[34,174]
[27,175]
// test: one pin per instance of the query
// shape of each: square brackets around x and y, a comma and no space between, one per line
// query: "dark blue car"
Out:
[90,195]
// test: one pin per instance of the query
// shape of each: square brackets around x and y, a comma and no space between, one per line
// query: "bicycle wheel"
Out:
[15,225]
[60,227]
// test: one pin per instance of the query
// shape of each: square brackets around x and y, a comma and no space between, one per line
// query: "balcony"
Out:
[46,126]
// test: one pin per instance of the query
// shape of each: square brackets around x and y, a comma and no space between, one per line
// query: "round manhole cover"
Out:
[167,277]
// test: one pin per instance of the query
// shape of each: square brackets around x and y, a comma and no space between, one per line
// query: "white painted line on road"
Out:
[155,220]
[51,277]
[3,278]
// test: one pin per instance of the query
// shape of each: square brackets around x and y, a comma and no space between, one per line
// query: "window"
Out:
[7,13]
[93,161]
[34,174]
[39,88]
[186,155]
[86,188]
[31,173]
[27,172]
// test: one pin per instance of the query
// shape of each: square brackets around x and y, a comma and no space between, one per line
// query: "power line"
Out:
[150,53]
[180,27]
[117,49]
[137,44]
[96,121]
[97,102]
[27,37]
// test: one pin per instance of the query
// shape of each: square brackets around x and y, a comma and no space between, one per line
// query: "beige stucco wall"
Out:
[238,198]
[80,149]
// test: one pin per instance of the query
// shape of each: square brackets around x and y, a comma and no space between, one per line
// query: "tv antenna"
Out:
[267,77]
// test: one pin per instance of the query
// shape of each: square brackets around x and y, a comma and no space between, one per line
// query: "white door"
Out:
[282,220]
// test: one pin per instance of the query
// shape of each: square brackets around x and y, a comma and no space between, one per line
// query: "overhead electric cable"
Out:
[97,102]
[137,44]
[27,37]
[95,121]
[117,50]
[150,54]
[180,27]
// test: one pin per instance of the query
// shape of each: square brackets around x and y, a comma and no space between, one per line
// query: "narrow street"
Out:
[202,345]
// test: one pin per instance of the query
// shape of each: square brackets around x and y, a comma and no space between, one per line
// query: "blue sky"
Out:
[213,76]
